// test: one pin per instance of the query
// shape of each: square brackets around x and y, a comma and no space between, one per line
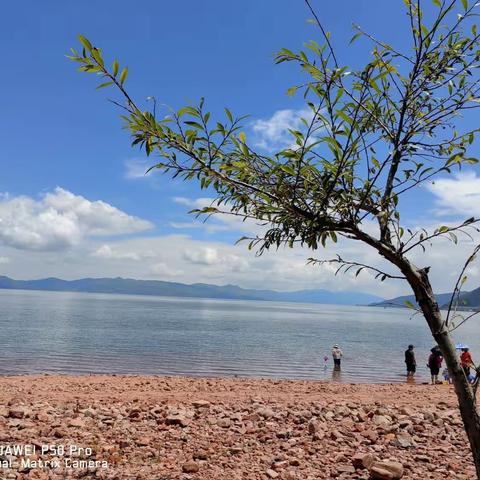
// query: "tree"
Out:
[372,136]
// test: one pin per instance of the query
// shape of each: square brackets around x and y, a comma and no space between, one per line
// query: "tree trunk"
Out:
[466,399]
[420,284]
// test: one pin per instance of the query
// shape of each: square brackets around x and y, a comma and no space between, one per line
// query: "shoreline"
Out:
[182,428]
[402,378]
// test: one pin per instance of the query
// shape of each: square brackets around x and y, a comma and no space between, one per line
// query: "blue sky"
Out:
[62,149]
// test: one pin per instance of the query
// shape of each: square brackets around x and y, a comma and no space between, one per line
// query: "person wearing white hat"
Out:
[337,355]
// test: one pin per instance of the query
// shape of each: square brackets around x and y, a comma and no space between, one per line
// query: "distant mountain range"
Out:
[469,300]
[197,290]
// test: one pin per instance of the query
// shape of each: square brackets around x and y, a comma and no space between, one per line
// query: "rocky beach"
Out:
[172,428]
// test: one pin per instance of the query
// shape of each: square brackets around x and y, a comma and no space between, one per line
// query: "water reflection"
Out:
[336,374]
[411,379]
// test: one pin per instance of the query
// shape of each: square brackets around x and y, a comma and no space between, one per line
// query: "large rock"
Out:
[76,422]
[313,427]
[386,470]
[266,412]
[382,420]
[370,435]
[272,473]
[363,460]
[18,412]
[190,467]
[345,469]
[224,422]
[403,440]
[200,455]
[180,420]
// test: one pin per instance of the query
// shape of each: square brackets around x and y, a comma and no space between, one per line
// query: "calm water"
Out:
[96,333]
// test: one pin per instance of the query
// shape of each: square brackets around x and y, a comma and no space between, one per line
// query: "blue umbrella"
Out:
[459,346]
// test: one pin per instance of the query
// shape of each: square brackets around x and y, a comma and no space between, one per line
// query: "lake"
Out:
[81,333]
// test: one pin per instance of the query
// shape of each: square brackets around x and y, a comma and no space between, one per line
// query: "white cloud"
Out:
[136,168]
[106,251]
[273,132]
[61,219]
[209,226]
[184,259]
[163,271]
[194,202]
[203,256]
[216,223]
[457,195]
[4,260]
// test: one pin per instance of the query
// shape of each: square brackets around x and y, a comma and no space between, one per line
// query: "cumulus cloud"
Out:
[203,256]
[61,219]
[187,260]
[273,132]
[457,195]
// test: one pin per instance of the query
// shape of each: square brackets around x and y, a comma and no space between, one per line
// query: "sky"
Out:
[74,200]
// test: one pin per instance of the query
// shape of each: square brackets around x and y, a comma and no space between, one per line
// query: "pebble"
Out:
[174,428]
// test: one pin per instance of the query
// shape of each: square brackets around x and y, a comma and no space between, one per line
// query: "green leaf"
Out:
[194,124]
[357,35]
[465,4]
[291,91]
[103,85]
[229,115]
[123,75]
[453,237]
[115,67]
[187,110]
[409,304]
[242,137]
[84,41]
[437,3]
[288,169]
[97,56]
[345,117]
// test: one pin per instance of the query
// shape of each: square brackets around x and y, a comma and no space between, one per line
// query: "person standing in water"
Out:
[434,363]
[337,355]
[410,361]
